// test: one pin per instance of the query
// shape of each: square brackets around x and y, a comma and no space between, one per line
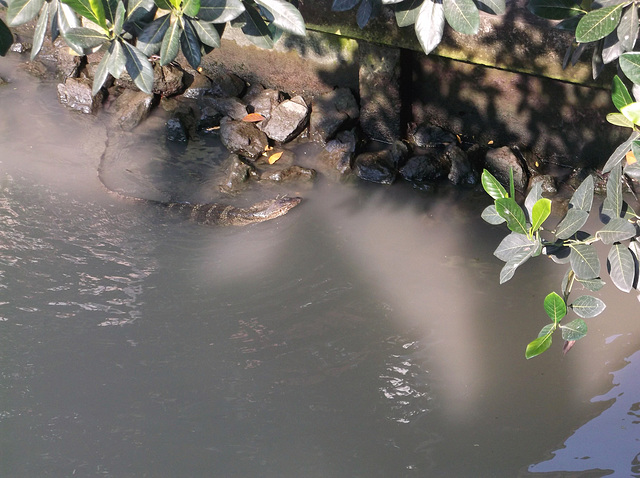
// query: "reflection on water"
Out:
[362,335]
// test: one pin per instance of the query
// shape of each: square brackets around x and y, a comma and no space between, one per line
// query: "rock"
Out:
[423,168]
[131,108]
[177,129]
[168,80]
[237,174]
[67,64]
[290,174]
[461,171]
[242,138]
[262,101]
[399,152]
[75,93]
[231,107]
[341,150]
[330,112]
[199,85]
[547,182]
[377,167]
[427,136]
[500,161]
[225,85]
[3,81]
[209,119]
[287,120]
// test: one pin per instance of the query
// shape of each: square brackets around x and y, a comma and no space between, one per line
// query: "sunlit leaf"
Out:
[462,15]
[429,25]
[621,151]
[516,260]
[492,186]
[582,198]
[630,66]
[622,267]
[554,9]
[207,33]
[584,261]
[256,29]
[150,40]
[572,222]
[538,346]
[101,73]
[407,12]
[540,213]
[555,307]
[86,38]
[632,112]
[509,209]
[190,7]
[41,30]
[513,244]
[593,285]
[617,229]
[490,215]
[613,202]
[628,28]
[117,59]
[599,23]
[618,119]
[21,11]
[274,157]
[493,7]
[138,67]
[285,16]
[574,330]
[170,43]
[220,11]
[620,94]
[253,118]
[190,44]
[587,306]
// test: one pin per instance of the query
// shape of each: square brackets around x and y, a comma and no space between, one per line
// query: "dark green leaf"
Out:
[101,73]
[509,209]
[190,8]
[220,11]
[584,261]
[170,43]
[86,38]
[490,215]
[554,9]
[617,229]
[598,23]
[429,25]
[364,13]
[492,186]
[6,38]
[555,307]
[117,59]
[574,330]
[572,222]
[138,8]
[462,15]
[67,19]
[40,31]
[630,66]
[138,67]
[587,306]
[21,11]
[190,45]
[620,94]
[541,211]
[493,7]
[164,4]
[538,346]
[622,267]
[633,170]
[628,29]
[582,198]
[150,40]
[622,150]
[85,8]
[593,285]
[109,8]
[285,16]
[343,5]
[514,244]
[407,12]
[207,33]
[256,29]
[519,258]
[612,204]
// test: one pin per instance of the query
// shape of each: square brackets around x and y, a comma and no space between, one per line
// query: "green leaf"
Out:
[540,213]
[582,198]
[622,150]
[618,119]
[117,59]
[220,11]
[632,112]
[6,38]
[630,66]
[190,45]
[535,194]
[617,229]
[256,29]
[85,8]
[572,222]
[285,16]
[633,170]
[490,215]
[138,67]
[599,23]
[138,8]
[493,7]
[514,244]
[509,209]
[620,94]
[492,186]
[207,33]
[554,9]
[109,8]
[101,73]
[613,202]
[118,19]
[574,330]
[587,306]
[86,38]
[538,346]
[628,29]
[21,11]
[429,25]
[67,18]
[593,285]
[462,15]
[170,43]
[584,261]
[555,307]
[622,267]
[40,31]
[407,12]
[519,258]
[150,40]
[190,8]
[343,5]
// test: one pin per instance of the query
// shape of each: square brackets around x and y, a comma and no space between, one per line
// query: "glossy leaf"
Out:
[109,8]
[21,11]
[493,7]
[117,60]
[407,12]
[190,45]
[190,8]
[617,229]
[256,29]
[572,222]
[535,194]
[540,213]
[207,33]
[584,261]
[587,306]
[538,346]
[138,67]
[613,202]
[519,258]
[220,11]
[150,40]
[632,112]
[343,5]
[618,119]
[138,8]
[40,30]
[429,25]
[285,16]
[598,23]
[629,28]
[593,285]
[170,43]
[66,18]
[509,209]
[633,170]
[514,244]
[574,330]
[462,15]
[620,94]
[582,198]
[555,307]
[6,38]
[101,73]
[554,9]
[490,215]
[86,38]
[622,267]
[492,186]
[621,151]
[118,20]
[630,66]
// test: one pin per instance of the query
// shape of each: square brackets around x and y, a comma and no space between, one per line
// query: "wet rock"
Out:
[547,182]
[461,171]
[500,161]
[427,136]
[225,85]
[209,119]
[330,112]
[291,174]
[431,166]
[199,85]
[262,101]
[341,150]
[177,130]
[68,65]
[287,120]
[168,80]
[20,47]
[231,107]
[75,93]
[377,167]
[242,138]
[237,174]
[131,108]
[399,152]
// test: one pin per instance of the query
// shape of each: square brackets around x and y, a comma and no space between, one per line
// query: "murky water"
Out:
[362,335]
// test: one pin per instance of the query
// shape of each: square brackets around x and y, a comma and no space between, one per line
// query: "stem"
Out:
[572,278]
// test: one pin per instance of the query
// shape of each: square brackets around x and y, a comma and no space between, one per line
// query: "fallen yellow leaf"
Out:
[274,157]
[490,142]
[631,158]
[253,118]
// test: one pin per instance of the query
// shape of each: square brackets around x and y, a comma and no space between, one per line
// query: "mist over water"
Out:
[364,334]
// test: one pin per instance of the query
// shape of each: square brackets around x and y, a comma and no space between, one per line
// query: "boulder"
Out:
[242,138]
[209,119]
[341,150]
[168,80]
[131,108]
[75,93]
[428,136]
[198,86]
[461,171]
[423,168]
[500,161]
[287,120]
[177,129]
[262,101]
[377,167]
[290,174]
[547,182]
[237,174]
[330,112]
[228,106]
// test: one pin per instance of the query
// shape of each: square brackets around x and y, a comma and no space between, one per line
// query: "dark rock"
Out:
[500,161]
[341,150]
[209,119]
[290,174]
[199,86]
[75,93]
[237,174]
[242,138]
[168,80]
[225,85]
[131,108]
[67,64]
[177,129]
[431,166]
[262,101]
[461,171]
[20,47]
[547,182]
[287,120]
[377,167]
[427,136]
[231,107]
[329,112]
[399,152]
